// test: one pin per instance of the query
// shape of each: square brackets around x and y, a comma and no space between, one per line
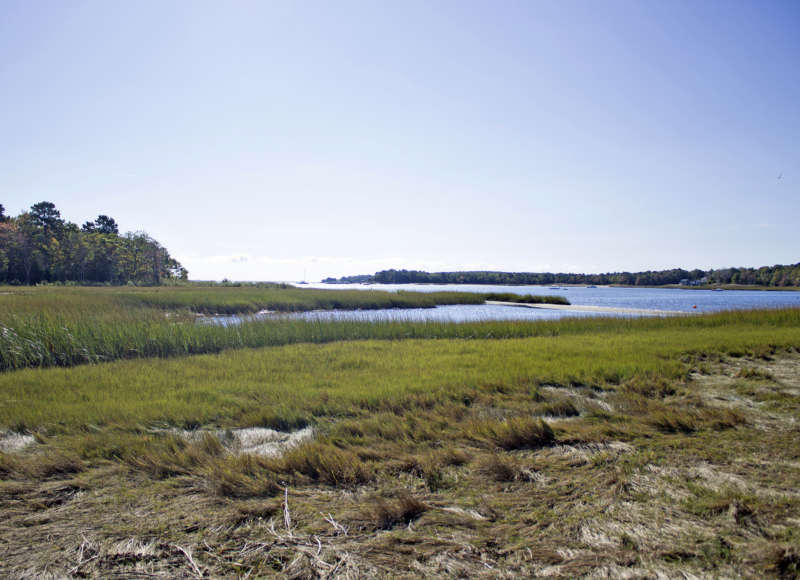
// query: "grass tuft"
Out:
[498,468]
[522,432]
[650,387]
[325,463]
[754,373]
[562,407]
[402,510]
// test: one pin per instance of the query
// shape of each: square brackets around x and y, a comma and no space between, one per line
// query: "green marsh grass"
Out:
[247,386]
[66,327]
[242,300]
[525,298]
[430,455]
[56,326]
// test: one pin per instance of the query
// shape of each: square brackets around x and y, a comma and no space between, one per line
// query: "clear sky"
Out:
[272,140]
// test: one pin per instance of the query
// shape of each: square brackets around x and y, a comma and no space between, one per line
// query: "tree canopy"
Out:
[779,276]
[40,246]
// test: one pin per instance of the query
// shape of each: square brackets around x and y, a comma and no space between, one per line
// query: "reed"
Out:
[240,300]
[525,298]
[292,384]
[72,326]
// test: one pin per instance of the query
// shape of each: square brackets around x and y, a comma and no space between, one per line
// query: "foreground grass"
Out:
[623,447]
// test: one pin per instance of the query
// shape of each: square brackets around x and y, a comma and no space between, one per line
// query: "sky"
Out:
[289,140]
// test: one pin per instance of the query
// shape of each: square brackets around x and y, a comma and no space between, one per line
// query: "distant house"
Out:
[698,282]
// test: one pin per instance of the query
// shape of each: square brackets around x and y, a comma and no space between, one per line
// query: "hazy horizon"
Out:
[282,141]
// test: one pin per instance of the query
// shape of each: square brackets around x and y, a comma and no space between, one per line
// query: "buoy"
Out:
[695,306]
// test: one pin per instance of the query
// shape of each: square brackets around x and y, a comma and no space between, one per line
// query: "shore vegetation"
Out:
[778,276]
[40,246]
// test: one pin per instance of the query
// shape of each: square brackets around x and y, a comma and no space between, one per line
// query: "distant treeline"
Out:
[40,246]
[765,276]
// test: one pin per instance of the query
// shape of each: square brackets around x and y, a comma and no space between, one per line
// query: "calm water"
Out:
[644,298]
[647,298]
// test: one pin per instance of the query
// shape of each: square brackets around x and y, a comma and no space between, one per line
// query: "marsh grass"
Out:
[754,374]
[525,298]
[559,407]
[402,510]
[243,300]
[683,420]
[324,463]
[515,433]
[430,456]
[44,327]
[54,326]
[498,467]
[294,385]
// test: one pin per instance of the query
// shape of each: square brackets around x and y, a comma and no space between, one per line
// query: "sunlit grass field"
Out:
[638,447]
[303,381]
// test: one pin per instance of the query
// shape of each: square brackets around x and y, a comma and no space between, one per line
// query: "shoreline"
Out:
[730,287]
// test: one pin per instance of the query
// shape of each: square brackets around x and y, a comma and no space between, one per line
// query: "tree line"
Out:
[778,276]
[40,246]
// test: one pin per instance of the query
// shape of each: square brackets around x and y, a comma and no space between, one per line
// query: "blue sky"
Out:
[265,140]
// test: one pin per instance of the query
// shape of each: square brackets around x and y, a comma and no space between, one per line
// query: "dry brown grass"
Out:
[523,432]
[402,510]
[498,468]
[671,480]
[324,463]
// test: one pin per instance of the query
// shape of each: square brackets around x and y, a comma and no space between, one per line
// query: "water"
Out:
[645,298]
[670,299]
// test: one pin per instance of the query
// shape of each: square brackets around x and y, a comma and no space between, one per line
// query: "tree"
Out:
[106,225]
[45,215]
[27,229]
[9,248]
[102,225]
[40,246]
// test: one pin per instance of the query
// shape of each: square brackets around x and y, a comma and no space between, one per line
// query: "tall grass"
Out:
[237,300]
[66,327]
[302,382]
[525,298]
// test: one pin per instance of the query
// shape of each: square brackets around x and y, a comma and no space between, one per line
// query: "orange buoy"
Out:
[695,306]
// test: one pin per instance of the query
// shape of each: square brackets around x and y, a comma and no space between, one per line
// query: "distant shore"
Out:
[732,287]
